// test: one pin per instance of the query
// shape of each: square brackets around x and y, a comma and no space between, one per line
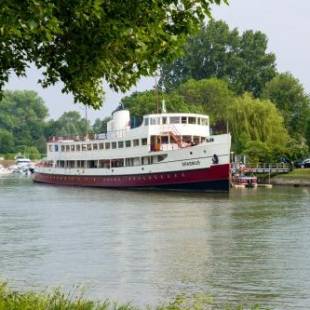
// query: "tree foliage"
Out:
[212,94]
[6,141]
[257,126]
[307,132]
[149,102]
[22,121]
[82,42]
[31,152]
[216,51]
[287,93]
[69,124]
[100,125]
[209,96]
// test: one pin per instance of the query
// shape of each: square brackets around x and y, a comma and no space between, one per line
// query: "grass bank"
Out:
[57,300]
[298,173]
[297,177]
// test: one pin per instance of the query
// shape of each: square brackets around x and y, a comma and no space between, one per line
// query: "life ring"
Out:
[215,159]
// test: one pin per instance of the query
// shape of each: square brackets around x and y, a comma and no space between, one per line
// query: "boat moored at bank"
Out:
[167,151]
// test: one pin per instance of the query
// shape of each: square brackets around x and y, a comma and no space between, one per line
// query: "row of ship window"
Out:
[176,120]
[120,144]
[106,163]
[96,146]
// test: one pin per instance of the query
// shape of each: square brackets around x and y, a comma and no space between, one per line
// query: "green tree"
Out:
[32,152]
[288,94]
[307,133]
[100,125]
[258,151]
[6,141]
[212,94]
[216,51]
[296,150]
[69,124]
[257,126]
[23,116]
[81,42]
[147,102]
[208,96]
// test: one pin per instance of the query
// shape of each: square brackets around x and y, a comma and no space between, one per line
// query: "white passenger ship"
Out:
[167,151]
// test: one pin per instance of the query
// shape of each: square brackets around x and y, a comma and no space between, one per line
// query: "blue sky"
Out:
[285,22]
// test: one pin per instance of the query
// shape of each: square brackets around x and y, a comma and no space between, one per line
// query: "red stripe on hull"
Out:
[216,173]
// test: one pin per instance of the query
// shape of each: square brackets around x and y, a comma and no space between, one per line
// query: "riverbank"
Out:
[297,177]
[7,163]
[56,300]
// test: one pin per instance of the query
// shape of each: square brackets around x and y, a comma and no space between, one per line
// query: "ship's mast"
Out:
[86,122]
[157,94]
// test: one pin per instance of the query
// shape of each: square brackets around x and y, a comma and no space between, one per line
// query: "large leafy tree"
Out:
[212,94]
[100,125]
[307,132]
[68,124]
[288,94]
[208,96]
[257,128]
[147,102]
[216,51]
[6,141]
[22,121]
[81,42]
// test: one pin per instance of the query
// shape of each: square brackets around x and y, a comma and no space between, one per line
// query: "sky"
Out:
[285,22]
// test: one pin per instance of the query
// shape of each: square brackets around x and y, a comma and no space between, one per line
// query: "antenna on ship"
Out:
[163,106]
[86,122]
[157,94]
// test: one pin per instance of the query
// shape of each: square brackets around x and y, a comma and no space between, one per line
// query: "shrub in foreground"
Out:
[58,300]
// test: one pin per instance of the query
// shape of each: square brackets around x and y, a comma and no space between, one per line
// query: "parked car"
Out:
[303,164]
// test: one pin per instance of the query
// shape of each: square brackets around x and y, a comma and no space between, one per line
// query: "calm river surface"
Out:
[251,246]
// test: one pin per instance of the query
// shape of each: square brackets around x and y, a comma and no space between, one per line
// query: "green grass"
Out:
[57,300]
[297,174]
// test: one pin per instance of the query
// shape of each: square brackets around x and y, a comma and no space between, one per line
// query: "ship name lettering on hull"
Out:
[191,163]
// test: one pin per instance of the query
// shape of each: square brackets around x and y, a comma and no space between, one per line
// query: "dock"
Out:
[247,176]
[274,168]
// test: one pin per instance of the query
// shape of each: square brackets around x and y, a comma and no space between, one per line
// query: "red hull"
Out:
[215,178]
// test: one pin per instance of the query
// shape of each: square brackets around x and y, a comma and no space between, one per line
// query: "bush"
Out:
[9,156]
[32,152]
[57,300]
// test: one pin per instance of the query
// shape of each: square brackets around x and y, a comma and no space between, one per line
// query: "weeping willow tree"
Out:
[257,128]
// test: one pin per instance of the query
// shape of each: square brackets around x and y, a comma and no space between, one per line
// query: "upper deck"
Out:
[179,123]
[157,132]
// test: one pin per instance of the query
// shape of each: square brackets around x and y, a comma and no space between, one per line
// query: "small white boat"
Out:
[23,166]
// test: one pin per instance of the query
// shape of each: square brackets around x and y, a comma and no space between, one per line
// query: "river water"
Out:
[249,246]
